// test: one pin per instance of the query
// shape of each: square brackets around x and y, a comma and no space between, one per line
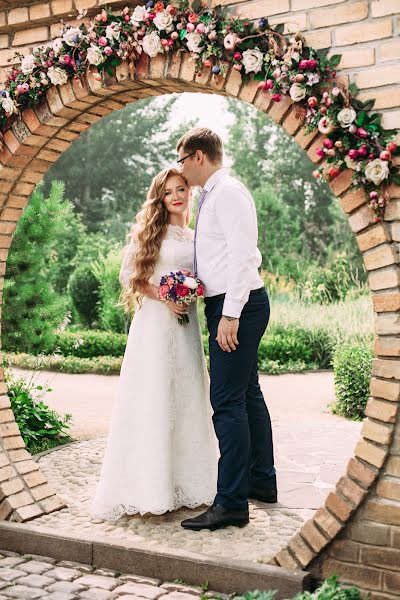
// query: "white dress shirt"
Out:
[228,258]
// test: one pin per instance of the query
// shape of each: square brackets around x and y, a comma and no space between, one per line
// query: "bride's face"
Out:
[177,195]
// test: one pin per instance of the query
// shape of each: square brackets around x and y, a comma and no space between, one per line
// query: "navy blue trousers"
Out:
[241,419]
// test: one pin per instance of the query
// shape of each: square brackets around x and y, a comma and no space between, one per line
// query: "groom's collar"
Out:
[214,178]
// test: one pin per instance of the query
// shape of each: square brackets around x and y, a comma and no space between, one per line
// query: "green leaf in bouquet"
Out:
[196,6]
[334,60]
[182,34]
[369,104]
[258,77]
[353,89]
[361,118]
[279,28]
[396,178]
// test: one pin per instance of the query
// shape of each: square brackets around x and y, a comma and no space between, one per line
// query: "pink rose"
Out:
[163,291]
[170,280]
[303,64]
[312,64]
[103,41]
[182,291]
[108,51]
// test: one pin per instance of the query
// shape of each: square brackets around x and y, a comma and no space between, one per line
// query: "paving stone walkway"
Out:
[30,577]
[312,448]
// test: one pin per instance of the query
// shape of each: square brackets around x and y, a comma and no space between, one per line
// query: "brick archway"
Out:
[346,534]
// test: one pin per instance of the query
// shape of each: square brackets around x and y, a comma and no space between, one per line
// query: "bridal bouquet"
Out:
[182,287]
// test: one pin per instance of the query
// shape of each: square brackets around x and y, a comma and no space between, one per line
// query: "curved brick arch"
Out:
[346,534]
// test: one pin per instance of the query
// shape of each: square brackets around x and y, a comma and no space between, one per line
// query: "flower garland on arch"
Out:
[283,65]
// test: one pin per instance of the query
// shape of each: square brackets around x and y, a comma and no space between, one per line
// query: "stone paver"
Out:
[108,586]
[312,448]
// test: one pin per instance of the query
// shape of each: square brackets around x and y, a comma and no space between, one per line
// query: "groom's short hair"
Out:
[201,138]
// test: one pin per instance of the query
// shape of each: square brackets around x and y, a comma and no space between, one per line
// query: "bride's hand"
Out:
[177,309]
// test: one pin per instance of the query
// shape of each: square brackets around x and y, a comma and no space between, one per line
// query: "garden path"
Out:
[312,448]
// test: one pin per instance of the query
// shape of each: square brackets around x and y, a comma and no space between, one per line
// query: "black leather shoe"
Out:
[269,495]
[216,517]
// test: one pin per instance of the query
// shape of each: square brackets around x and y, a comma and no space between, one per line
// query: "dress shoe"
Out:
[216,517]
[269,495]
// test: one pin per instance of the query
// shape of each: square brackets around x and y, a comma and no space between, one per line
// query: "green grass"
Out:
[353,319]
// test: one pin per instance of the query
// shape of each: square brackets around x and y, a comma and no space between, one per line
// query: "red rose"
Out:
[182,291]
[200,290]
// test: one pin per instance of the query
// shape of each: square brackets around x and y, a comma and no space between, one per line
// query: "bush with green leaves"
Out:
[32,308]
[40,426]
[352,365]
[112,316]
[83,288]
[90,343]
[296,345]
[330,283]
[330,589]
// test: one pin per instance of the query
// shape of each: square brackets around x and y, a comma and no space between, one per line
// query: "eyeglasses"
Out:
[182,160]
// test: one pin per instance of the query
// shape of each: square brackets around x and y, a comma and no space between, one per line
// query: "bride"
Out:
[161,450]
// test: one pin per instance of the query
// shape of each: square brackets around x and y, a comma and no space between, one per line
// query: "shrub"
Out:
[40,427]
[352,364]
[104,365]
[295,344]
[111,316]
[83,288]
[32,309]
[90,343]
[330,589]
[331,283]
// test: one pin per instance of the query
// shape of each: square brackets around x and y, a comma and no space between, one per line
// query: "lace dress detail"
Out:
[161,450]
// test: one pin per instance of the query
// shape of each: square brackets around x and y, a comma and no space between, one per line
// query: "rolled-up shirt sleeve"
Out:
[235,212]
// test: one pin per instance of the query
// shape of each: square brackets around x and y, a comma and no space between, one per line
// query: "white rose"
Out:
[325,125]
[193,41]
[297,92]
[346,116]
[163,21]
[138,15]
[352,164]
[252,60]
[95,56]
[8,105]
[377,170]
[57,76]
[191,283]
[72,36]
[28,64]
[112,31]
[57,45]
[152,44]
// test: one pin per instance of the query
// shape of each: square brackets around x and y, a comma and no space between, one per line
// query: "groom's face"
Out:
[189,165]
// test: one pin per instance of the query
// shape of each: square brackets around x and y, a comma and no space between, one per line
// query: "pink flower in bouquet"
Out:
[200,290]
[163,291]
[185,272]
[182,291]
[170,281]
[103,41]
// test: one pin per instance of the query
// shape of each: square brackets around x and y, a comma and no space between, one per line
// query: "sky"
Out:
[209,109]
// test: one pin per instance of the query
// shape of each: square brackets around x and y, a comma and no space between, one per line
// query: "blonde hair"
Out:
[148,233]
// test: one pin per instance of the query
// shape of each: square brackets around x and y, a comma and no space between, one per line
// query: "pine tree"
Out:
[32,309]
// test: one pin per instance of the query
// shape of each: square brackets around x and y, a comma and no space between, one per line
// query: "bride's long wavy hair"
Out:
[148,232]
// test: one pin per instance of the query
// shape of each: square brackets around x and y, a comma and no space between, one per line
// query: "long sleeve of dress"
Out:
[127,262]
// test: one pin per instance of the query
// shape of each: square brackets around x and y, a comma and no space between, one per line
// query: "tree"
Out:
[32,308]
[107,171]
[263,156]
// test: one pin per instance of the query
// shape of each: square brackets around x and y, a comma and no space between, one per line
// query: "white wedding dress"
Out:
[161,451]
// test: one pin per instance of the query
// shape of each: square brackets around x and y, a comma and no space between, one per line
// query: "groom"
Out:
[227,259]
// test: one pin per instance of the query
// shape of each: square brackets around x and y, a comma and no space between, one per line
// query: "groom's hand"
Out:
[227,334]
